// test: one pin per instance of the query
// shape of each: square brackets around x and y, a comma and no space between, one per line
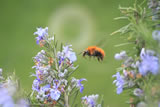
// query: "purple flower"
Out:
[35,85]
[46,87]
[149,63]
[72,57]
[61,59]
[66,53]
[119,82]
[5,99]
[158,104]
[138,92]
[43,92]
[38,74]
[60,56]
[55,94]
[39,59]
[156,35]
[91,100]
[56,84]
[81,85]
[22,103]
[41,34]
[69,54]
[121,55]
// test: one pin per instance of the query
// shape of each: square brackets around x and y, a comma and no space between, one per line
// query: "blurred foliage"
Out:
[141,31]
[19,20]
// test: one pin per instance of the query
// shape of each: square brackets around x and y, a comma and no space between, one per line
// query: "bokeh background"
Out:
[79,22]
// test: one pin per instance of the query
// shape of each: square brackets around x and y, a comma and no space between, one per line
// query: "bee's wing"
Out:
[101,41]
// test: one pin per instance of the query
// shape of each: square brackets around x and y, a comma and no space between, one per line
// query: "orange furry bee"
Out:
[94,51]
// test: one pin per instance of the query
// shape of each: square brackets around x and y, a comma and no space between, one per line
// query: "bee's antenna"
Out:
[80,53]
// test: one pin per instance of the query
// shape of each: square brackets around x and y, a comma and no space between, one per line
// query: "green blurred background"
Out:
[79,22]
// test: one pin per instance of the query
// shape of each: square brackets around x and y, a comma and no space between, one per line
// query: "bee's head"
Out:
[85,53]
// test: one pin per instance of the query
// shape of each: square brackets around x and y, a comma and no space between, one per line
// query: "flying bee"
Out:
[95,52]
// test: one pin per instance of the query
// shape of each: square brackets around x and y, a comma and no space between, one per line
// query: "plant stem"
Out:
[66,99]
[75,97]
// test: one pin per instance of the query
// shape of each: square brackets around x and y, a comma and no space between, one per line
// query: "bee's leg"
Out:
[99,59]
[90,57]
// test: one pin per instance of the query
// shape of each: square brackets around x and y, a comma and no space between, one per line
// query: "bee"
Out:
[95,52]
